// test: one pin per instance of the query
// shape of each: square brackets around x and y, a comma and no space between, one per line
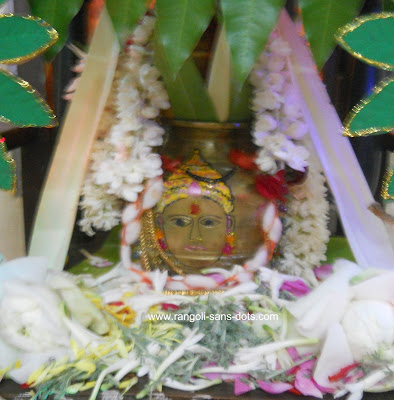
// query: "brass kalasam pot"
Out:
[209,213]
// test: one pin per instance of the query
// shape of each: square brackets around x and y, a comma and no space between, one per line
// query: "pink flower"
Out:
[323,271]
[275,387]
[305,385]
[241,387]
[298,288]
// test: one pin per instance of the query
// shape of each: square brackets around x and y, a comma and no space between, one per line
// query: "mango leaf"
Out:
[338,247]
[179,26]
[188,96]
[248,25]
[125,15]
[373,115]
[239,100]
[370,39]
[21,104]
[22,38]
[57,13]
[322,18]
[7,169]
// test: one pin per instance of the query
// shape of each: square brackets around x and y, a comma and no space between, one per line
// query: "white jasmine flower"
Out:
[267,100]
[265,123]
[280,47]
[266,163]
[276,63]
[274,81]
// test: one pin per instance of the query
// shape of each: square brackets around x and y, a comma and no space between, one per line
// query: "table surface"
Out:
[10,390]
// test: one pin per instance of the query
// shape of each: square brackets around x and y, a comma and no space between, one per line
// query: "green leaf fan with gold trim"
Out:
[21,39]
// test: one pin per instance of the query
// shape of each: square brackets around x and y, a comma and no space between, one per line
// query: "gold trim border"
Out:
[11,161]
[53,38]
[350,27]
[39,100]
[385,187]
[358,107]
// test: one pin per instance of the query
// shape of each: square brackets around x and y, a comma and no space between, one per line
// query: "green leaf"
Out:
[239,101]
[322,18]
[7,169]
[338,247]
[125,15]
[2,1]
[57,13]
[21,104]
[373,115]
[109,251]
[22,38]
[179,26]
[188,96]
[388,185]
[370,38]
[248,25]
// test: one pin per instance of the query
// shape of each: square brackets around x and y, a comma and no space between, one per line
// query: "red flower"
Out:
[272,187]
[170,164]
[243,160]
[169,306]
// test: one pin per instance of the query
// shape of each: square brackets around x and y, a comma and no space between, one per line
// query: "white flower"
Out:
[280,47]
[30,318]
[368,324]
[267,100]
[265,123]
[297,130]
[266,162]
[276,63]
[274,81]
[294,156]
[276,142]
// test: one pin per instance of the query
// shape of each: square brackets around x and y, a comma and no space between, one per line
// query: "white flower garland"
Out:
[279,124]
[279,120]
[123,160]
[305,238]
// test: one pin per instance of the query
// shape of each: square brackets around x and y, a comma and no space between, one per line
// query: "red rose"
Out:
[272,187]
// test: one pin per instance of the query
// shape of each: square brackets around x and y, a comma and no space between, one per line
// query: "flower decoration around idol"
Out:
[120,173]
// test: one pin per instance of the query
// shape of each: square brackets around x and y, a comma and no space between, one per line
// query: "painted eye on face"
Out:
[210,222]
[180,221]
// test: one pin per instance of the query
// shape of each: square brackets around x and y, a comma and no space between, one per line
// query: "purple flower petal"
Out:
[241,387]
[274,387]
[323,271]
[298,288]
[308,365]
[323,389]
[217,277]
[293,353]
[212,376]
[306,386]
